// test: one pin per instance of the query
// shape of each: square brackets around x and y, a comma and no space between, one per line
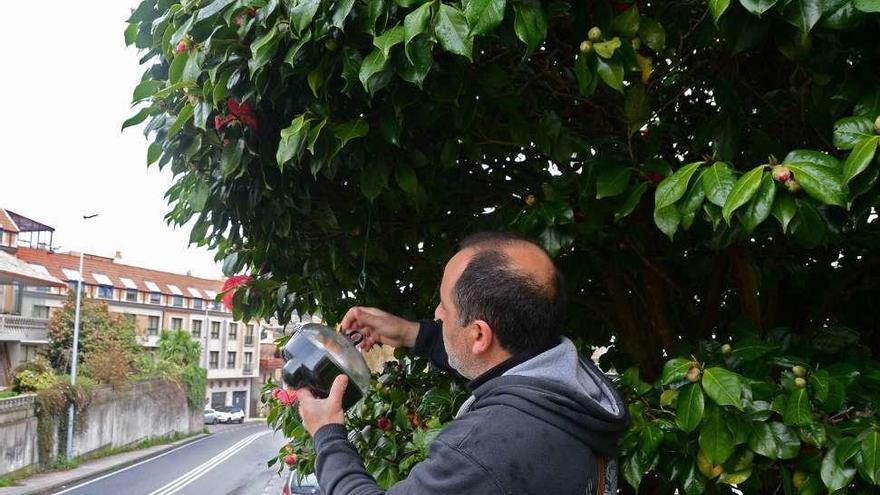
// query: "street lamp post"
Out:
[75,351]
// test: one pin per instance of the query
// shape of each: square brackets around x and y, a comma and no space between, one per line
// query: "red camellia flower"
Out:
[230,286]
[285,397]
[181,47]
[384,423]
[290,459]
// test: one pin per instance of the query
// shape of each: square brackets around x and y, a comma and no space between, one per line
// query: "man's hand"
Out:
[317,413]
[378,327]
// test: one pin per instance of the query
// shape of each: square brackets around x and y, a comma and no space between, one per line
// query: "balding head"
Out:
[511,283]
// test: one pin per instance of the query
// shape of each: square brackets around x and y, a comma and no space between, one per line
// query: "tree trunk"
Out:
[636,343]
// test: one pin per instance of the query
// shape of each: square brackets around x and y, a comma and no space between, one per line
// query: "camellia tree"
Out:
[704,173]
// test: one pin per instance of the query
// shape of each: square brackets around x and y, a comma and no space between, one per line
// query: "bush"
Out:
[33,376]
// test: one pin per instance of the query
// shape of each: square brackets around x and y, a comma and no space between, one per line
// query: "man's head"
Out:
[500,295]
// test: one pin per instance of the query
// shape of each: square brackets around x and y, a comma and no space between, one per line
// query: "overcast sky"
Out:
[66,88]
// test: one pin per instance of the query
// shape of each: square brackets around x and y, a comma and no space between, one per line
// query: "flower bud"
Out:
[290,459]
[781,173]
[800,382]
[586,46]
[693,374]
[594,34]
[799,371]
[726,349]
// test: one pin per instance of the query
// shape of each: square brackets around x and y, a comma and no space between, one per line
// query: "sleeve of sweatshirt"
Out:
[429,344]
[340,470]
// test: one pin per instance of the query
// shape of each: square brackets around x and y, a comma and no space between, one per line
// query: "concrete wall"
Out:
[116,417]
[18,433]
[123,415]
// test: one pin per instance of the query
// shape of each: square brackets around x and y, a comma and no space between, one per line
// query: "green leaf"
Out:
[631,201]
[871,456]
[757,7]
[742,191]
[388,39]
[137,118]
[175,71]
[808,225]
[375,9]
[293,139]
[343,8]
[146,89]
[716,440]
[154,151]
[718,7]
[374,179]
[212,9]
[653,34]
[774,440]
[627,22]
[530,24]
[200,114]
[691,203]
[694,482]
[302,12]
[586,79]
[375,63]
[834,475]
[869,6]
[606,49]
[352,129]
[220,88]
[675,370]
[262,50]
[860,157]
[420,60]
[784,209]
[611,71]
[820,183]
[667,220]
[815,157]
[612,181]
[452,31]
[672,188]
[690,406]
[230,158]
[406,178]
[718,181]
[797,409]
[723,386]
[484,16]
[183,117]
[414,24]
[851,131]
[759,208]
[813,434]
[290,57]
[804,14]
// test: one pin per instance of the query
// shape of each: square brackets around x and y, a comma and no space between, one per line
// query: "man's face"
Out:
[457,347]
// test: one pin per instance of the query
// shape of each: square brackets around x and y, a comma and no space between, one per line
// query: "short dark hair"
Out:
[524,313]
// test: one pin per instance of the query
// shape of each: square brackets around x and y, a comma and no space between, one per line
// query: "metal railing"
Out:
[20,328]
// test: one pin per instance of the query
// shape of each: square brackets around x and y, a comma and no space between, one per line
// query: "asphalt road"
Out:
[231,461]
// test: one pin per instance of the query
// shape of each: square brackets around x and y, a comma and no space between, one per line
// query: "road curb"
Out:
[76,479]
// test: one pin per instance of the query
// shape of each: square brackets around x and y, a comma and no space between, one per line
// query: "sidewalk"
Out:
[54,481]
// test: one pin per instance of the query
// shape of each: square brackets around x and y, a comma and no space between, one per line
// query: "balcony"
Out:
[21,329]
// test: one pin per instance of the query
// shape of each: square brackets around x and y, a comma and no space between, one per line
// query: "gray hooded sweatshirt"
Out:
[540,427]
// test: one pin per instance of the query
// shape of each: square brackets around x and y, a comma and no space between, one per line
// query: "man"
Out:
[541,418]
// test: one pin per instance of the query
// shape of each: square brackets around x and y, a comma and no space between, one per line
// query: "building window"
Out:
[177,301]
[105,292]
[215,329]
[155,298]
[176,323]
[248,362]
[40,312]
[249,335]
[215,359]
[72,285]
[197,304]
[197,328]
[230,360]
[233,331]
[153,325]
[131,295]
[263,334]
[217,306]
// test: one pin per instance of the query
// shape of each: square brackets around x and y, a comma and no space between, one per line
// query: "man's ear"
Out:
[482,337]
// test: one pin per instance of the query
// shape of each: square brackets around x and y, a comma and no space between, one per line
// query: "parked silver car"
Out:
[308,485]
[210,416]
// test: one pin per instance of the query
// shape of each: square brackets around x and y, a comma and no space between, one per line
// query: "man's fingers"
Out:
[304,394]
[338,390]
